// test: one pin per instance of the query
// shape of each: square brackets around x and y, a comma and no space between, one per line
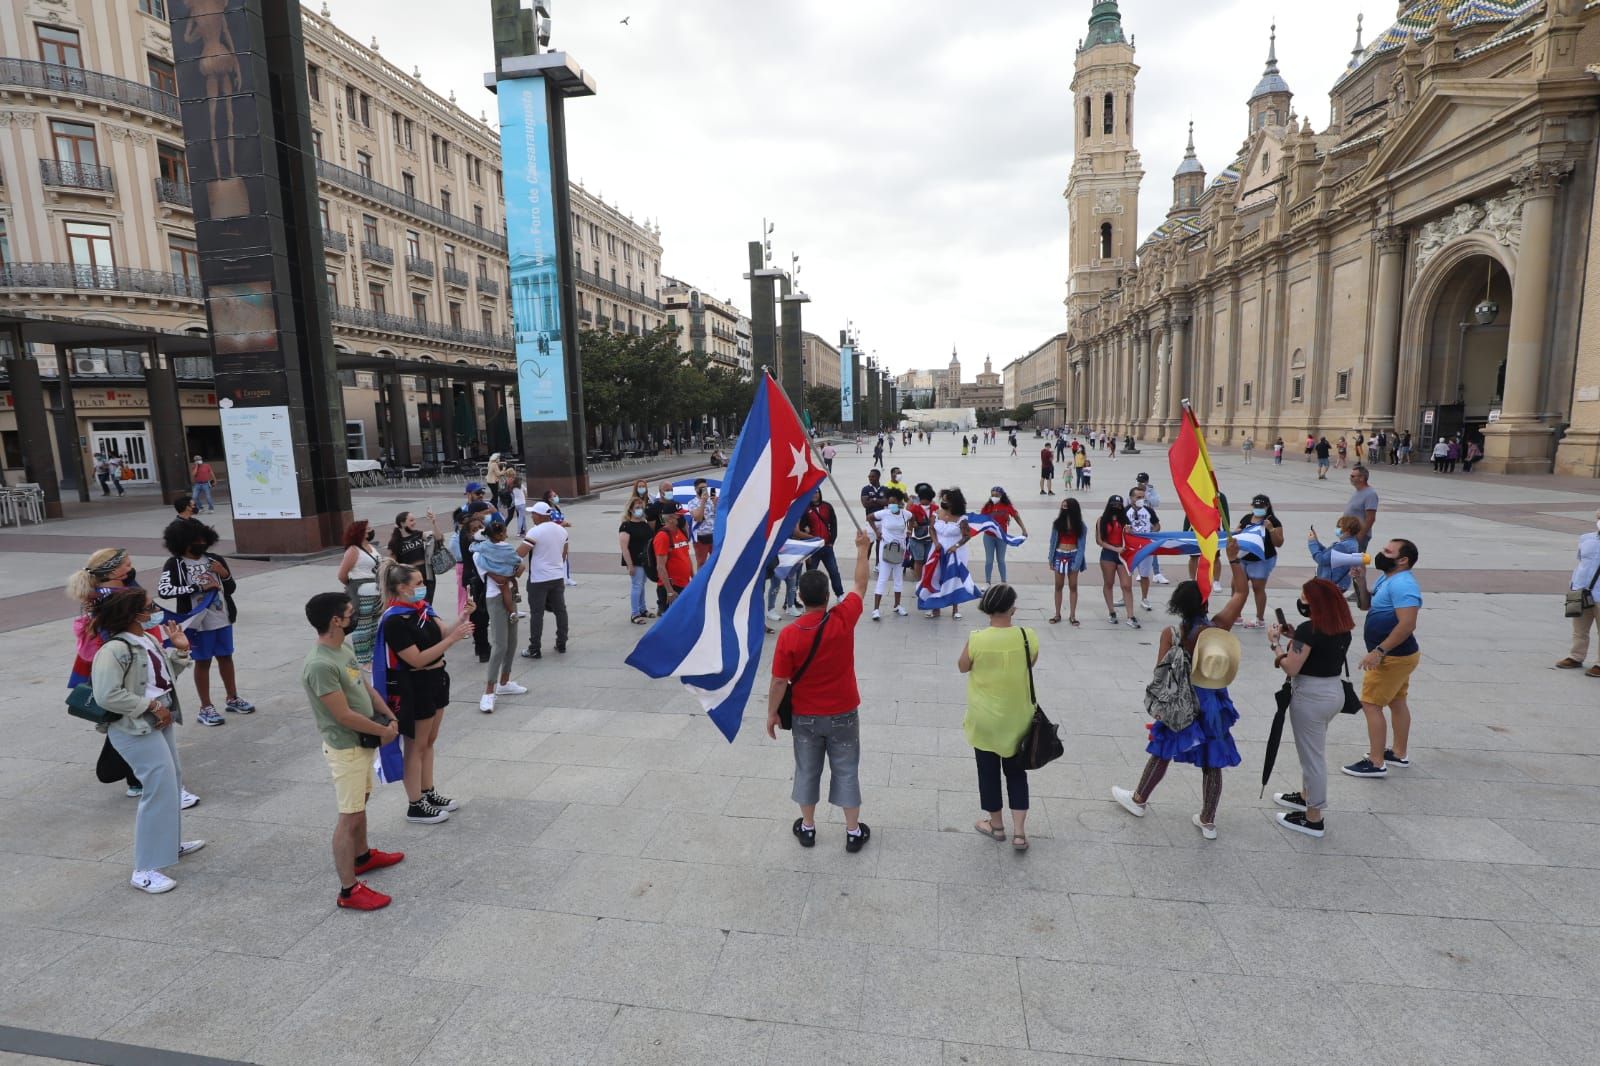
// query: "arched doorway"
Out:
[1461,351]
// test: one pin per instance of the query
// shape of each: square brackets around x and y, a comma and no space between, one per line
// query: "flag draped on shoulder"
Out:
[390,762]
[1197,489]
[987,526]
[710,638]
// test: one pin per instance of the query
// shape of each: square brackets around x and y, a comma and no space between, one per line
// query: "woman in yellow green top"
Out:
[997,661]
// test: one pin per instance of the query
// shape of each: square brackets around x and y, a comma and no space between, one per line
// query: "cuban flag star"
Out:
[710,638]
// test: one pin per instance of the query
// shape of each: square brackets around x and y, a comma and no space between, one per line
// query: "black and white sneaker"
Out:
[854,842]
[1292,800]
[807,837]
[444,803]
[1297,822]
[1365,768]
[1391,759]
[426,813]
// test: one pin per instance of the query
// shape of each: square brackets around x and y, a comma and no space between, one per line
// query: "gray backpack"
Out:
[1169,697]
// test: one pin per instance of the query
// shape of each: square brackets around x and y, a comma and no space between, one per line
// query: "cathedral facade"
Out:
[1423,263]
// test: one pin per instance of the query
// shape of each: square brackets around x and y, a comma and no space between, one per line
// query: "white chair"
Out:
[29,501]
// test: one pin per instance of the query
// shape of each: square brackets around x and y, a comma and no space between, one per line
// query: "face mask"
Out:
[129,580]
[417,595]
[1384,563]
[994,499]
[371,536]
[1259,512]
[554,500]
[478,535]
[641,492]
[894,508]
[157,617]
[1303,607]
[638,512]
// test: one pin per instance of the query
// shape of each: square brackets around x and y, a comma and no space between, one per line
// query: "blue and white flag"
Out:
[390,760]
[710,637]
[683,491]
[986,525]
[945,582]
[794,552]
[1252,542]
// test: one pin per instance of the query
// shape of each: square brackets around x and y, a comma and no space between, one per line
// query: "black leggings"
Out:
[990,767]
[1210,787]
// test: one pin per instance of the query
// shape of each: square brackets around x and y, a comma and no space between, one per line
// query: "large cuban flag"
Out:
[710,638]
[945,582]
[987,526]
[683,491]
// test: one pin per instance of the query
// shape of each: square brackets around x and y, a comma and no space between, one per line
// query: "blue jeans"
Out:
[838,736]
[788,585]
[202,490]
[636,580]
[994,550]
[824,557]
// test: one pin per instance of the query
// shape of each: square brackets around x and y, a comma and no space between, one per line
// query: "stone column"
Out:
[1177,379]
[171,458]
[1384,361]
[1141,386]
[1578,453]
[399,432]
[1164,369]
[33,425]
[1520,441]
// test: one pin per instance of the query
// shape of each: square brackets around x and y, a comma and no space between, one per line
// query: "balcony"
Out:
[595,281]
[174,192]
[100,279]
[634,330]
[383,194]
[603,322]
[585,315]
[360,318]
[61,174]
[455,276]
[377,253]
[488,286]
[422,268]
[54,78]
[334,241]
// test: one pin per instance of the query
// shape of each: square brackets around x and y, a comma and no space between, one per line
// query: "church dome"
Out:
[1105,25]
[1271,81]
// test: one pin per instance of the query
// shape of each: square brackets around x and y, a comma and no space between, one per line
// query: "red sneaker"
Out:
[362,898]
[377,860]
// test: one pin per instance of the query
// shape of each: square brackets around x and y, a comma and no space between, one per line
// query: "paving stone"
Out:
[1566,1026]
[865,910]
[1172,934]
[348,1022]
[499,1028]
[644,964]
[1461,889]
[747,900]
[777,979]
[1456,953]
[982,921]
[639,1037]
[1427,1025]
[1286,942]
[927,993]
[617,886]
[798,1045]
[1234,1027]
[1108,1010]
[87,989]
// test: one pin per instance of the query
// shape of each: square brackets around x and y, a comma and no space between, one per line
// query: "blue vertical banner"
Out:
[531,242]
[847,383]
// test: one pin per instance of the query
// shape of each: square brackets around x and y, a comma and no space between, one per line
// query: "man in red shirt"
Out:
[1047,471]
[675,565]
[816,660]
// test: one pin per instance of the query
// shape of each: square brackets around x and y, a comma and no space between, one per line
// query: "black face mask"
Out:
[1303,607]
[371,536]
[1384,563]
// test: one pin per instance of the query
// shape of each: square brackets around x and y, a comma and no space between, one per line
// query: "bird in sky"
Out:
[625,19]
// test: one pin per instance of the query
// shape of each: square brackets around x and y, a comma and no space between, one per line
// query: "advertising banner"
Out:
[531,242]
[847,383]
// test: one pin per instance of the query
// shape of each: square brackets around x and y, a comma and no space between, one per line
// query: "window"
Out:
[611,245]
[59,46]
[408,185]
[472,161]
[594,238]
[1245,393]
[369,229]
[441,151]
[1263,162]
[1105,240]
[314,82]
[627,281]
[1219,396]
[1297,389]
[162,74]
[627,253]
[477,215]
[455,314]
[331,279]
[316,143]
[444,200]
[89,245]
[375,301]
[185,256]
[1110,119]
[158,8]
[394,121]
[366,110]
[406,128]
[1127,114]
[1341,385]
[613,275]
[449,253]
[419,307]
[364,164]
[486,319]
[597,266]
[5,245]
[171,163]
[483,266]
[1088,117]
[350,101]
[413,244]
[74,143]
[323,215]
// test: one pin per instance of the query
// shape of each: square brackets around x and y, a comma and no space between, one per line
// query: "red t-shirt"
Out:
[829,684]
[675,546]
[1047,458]
[1002,513]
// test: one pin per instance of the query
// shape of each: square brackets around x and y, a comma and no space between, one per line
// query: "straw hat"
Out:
[1215,662]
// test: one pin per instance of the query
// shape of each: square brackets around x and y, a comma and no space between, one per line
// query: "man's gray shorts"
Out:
[839,737]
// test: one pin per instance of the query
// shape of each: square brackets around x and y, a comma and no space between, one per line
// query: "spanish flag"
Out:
[1197,491]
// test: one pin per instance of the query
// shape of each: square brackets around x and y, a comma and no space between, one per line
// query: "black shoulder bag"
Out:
[1352,701]
[1041,744]
[786,705]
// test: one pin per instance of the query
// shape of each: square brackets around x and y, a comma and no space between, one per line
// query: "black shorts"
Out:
[418,695]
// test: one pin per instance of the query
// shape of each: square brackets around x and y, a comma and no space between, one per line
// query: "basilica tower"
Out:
[1103,186]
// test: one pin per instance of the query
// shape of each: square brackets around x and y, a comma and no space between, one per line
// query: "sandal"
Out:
[638,619]
[1074,621]
[1056,619]
[990,830]
[1019,842]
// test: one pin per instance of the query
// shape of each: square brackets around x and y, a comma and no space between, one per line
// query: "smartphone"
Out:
[1282,621]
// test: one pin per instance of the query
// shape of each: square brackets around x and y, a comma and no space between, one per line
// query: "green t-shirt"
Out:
[998,709]
[327,670]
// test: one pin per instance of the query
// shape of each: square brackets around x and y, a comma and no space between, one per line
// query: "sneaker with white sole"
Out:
[877,615]
[444,803]
[486,703]
[239,705]
[135,792]
[209,716]
[1296,821]
[1162,579]
[773,615]
[510,688]
[1365,768]
[1125,798]
[901,611]
[1133,623]
[152,881]
[186,799]
[1207,831]
[189,847]
[1292,800]
[426,813]
[1391,759]
[1146,605]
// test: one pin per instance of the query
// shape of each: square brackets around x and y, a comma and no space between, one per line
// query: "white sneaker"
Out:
[1207,831]
[135,793]
[774,614]
[186,799]
[954,613]
[486,703]
[1161,579]
[152,881]
[510,688]
[1125,797]
[901,611]
[189,847]
[792,612]
[571,584]
[520,614]
[1146,605]
[877,615]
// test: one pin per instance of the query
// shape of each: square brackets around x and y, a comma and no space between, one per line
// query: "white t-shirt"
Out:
[545,562]
[158,668]
[892,528]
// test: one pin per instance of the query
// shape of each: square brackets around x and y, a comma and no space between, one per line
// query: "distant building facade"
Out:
[704,323]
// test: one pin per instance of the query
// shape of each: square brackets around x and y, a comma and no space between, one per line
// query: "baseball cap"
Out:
[1143,477]
[473,486]
[541,508]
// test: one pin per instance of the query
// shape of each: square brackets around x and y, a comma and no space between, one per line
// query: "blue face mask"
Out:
[157,617]
[1260,512]
[894,508]
[418,594]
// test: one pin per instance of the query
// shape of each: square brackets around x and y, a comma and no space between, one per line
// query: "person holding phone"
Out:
[347,711]
[1314,659]
[133,677]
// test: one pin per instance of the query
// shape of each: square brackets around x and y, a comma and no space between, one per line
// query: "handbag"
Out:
[786,704]
[1352,699]
[1580,600]
[441,560]
[81,704]
[1041,744]
[1169,697]
[893,553]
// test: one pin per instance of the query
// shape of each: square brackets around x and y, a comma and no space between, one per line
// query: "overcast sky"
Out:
[912,153]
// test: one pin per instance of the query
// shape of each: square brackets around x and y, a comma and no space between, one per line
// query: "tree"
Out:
[1023,414]
[822,401]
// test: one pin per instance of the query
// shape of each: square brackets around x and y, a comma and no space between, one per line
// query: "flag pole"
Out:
[817,457]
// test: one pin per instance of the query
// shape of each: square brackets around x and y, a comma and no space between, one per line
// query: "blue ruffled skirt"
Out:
[1205,742]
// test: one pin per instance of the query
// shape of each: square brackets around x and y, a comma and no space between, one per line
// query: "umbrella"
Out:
[500,430]
[1275,734]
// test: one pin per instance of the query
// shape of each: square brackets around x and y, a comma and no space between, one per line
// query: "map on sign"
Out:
[259,446]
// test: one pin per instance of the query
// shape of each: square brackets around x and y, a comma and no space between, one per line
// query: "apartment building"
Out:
[820,362]
[706,324]
[618,267]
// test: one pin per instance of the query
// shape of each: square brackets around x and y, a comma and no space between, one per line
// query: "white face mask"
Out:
[554,500]
[994,499]
[638,512]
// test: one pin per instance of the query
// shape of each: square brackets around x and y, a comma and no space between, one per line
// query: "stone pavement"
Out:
[620,885]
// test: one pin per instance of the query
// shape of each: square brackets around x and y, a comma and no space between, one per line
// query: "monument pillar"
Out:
[794,367]
[166,424]
[1177,376]
[33,424]
[763,313]
[1385,361]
